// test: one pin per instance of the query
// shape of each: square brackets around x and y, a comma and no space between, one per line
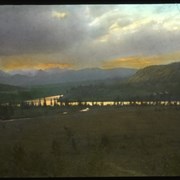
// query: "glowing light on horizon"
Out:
[141,61]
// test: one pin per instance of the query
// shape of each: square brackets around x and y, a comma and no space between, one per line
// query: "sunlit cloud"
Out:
[141,61]
[53,65]
[102,39]
[33,62]
[60,15]
[114,27]
[43,66]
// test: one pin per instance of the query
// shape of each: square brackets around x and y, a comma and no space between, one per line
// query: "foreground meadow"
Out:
[108,141]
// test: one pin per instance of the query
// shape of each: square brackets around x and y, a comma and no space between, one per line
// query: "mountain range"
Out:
[160,81]
[56,75]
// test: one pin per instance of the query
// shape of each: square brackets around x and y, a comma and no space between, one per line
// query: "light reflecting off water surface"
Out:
[56,100]
[49,101]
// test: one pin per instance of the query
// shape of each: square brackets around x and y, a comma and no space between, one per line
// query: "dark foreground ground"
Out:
[129,141]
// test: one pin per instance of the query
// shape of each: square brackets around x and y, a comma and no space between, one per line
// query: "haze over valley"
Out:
[57,75]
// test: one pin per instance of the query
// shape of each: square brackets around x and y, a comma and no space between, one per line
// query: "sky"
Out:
[88,36]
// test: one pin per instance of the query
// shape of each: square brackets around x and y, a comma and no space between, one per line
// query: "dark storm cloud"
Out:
[86,35]
[31,29]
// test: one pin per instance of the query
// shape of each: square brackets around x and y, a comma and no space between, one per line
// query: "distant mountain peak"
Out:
[57,75]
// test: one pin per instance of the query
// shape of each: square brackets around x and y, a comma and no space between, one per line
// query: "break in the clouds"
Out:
[79,36]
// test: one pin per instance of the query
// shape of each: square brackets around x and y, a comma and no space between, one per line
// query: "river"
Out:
[54,100]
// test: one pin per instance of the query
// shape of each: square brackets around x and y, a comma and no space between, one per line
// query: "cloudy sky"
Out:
[85,36]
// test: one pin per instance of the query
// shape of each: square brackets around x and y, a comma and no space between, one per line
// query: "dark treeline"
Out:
[7,110]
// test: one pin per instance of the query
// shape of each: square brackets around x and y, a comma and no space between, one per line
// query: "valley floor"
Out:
[129,141]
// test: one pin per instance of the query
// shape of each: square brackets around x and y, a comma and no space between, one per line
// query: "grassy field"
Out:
[117,141]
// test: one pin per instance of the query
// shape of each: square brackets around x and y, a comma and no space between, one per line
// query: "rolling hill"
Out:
[158,74]
[9,88]
[153,82]
[10,93]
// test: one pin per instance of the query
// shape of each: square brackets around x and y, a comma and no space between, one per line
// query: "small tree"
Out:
[39,103]
[44,102]
[55,102]
[51,102]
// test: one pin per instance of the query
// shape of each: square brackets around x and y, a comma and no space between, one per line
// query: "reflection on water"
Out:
[48,101]
[56,101]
